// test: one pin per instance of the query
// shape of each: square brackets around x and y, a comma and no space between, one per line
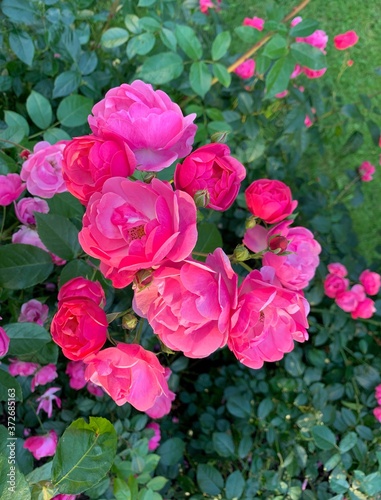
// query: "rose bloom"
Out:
[95,390]
[366,171]
[371,282]
[347,301]
[82,287]
[76,372]
[42,446]
[296,21]
[246,69]
[34,311]
[205,5]
[338,269]
[42,171]
[44,375]
[148,121]
[377,393]
[188,304]
[345,40]
[318,39]
[4,342]
[26,207]
[364,309]
[308,122]
[211,168]
[154,441]
[334,284]
[46,401]
[297,71]
[270,200]
[281,94]
[129,374]
[89,161]
[313,73]
[79,327]
[134,225]
[377,413]
[10,188]
[22,368]
[28,236]
[255,22]
[267,320]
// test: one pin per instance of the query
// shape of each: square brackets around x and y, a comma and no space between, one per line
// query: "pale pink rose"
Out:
[246,69]
[377,413]
[154,441]
[88,161]
[281,94]
[359,291]
[314,73]
[377,393]
[366,171]
[22,368]
[46,401]
[26,207]
[95,390]
[148,121]
[371,282]
[10,188]
[188,304]
[82,287]
[42,446]
[334,284]
[211,168]
[42,171]
[347,301]
[28,236]
[44,375]
[129,374]
[255,22]
[364,309]
[338,269]
[345,40]
[134,225]
[34,311]
[318,39]
[296,21]
[308,122]
[4,342]
[76,372]
[267,320]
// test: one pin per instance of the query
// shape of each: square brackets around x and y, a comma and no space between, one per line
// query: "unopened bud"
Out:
[241,253]
[278,244]
[142,278]
[148,177]
[129,321]
[251,222]
[220,137]
[24,154]
[202,198]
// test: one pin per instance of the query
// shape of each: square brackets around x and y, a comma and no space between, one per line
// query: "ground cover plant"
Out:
[185,310]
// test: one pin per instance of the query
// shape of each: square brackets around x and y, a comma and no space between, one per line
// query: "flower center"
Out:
[136,233]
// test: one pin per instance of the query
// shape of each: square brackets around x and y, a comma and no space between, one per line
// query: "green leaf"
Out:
[200,78]
[278,77]
[276,47]
[264,408]
[332,462]
[171,451]
[9,388]
[188,41]
[55,134]
[9,491]
[374,130]
[304,28]
[149,24]
[31,342]
[146,3]
[140,44]
[323,437]
[371,484]
[74,269]
[114,37]
[22,45]
[209,238]
[235,484]
[209,479]
[248,35]
[19,11]
[13,119]
[348,442]
[22,266]
[221,45]
[162,68]
[74,110]
[223,444]
[66,205]
[66,83]
[59,235]
[353,143]
[132,23]
[39,110]
[168,38]
[157,483]
[309,56]
[88,62]
[222,74]
[84,455]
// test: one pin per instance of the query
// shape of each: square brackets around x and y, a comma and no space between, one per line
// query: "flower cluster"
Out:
[354,299]
[377,410]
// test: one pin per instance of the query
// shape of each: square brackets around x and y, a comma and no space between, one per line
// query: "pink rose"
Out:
[95,390]
[334,284]
[267,320]
[347,301]
[42,171]
[134,225]
[371,282]
[188,304]
[76,372]
[26,207]
[359,291]
[82,287]
[129,374]
[246,69]
[255,22]
[211,168]
[366,171]
[270,200]
[10,188]
[28,236]
[318,39]
[89,161]
[377,393]
[377,413]
[34,311]
[205,5]
[281,94]
[63,496]
[364,309]
[308,122]
[46,401]
[79,327]
[296,21]
[42,446]
[148,121]
[4,342]
[345,40]
[338,269]
[297,71]
[44,375]
[154,441]
[22,368]
[313,73]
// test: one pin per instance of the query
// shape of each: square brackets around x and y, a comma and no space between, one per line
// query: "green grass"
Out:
[338,16]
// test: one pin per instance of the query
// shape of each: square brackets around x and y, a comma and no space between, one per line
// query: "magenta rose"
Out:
[334,285]
[22,368]
[345,40]
[44,375]
[338,269]
[255,22]
[151,124]
[26,208]
[76,372]
[89,161]
[188,304]
[318,39]
[10,188]
[267,320]
[129,374]
[42,171]
[4,342]
[133,225]
[366,171]
[364,309]
[211,168]
[154,441]
[371,282]
[42,446]
[270,200]
[246,69]
[34,311]
[82,287]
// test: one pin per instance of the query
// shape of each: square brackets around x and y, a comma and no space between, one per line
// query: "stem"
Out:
[200,254]
[42,131]
[111,14]
[245,266]
[343,191]
[16,144]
